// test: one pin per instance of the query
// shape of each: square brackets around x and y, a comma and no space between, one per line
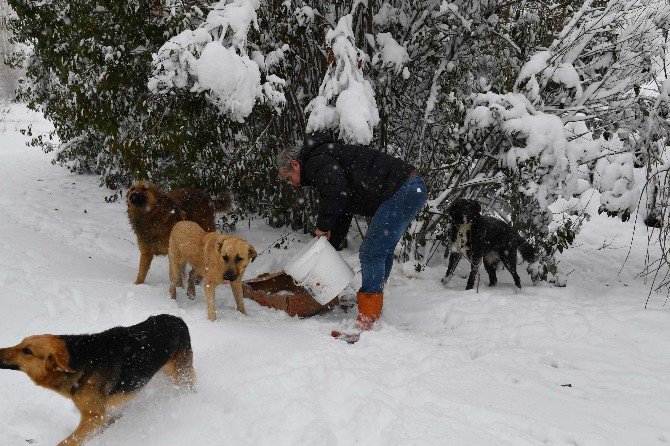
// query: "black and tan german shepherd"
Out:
[102,371]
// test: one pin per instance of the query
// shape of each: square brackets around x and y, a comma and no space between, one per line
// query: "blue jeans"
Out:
[390,221]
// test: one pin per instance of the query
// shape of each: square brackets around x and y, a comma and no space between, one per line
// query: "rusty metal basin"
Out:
[279,291]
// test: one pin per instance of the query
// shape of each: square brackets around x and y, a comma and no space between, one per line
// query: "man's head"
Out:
[289,166]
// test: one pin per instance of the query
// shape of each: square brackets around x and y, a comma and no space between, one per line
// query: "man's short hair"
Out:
[285,156]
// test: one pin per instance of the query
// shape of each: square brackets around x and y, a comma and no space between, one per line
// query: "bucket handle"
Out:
[306,261]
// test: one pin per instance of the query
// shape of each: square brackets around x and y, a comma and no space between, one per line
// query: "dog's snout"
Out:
[8,366]
[230,276]
[3,364]
[137,199]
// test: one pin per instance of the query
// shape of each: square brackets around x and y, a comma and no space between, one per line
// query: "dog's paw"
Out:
[446,279]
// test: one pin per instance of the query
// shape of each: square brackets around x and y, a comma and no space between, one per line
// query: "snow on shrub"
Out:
[388,15]
[595,71]
[213,59]
[613,176]
[390,52]
[234,81]
[556,167]
[537,136]
[355,112]
[539,70]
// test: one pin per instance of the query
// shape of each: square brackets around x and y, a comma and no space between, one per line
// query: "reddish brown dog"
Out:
[219,258]
[101,372]
[153,213]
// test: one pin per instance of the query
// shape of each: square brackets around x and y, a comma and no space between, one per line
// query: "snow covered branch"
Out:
[214,59]
[354,112]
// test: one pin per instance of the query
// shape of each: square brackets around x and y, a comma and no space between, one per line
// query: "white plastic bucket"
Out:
[321,270]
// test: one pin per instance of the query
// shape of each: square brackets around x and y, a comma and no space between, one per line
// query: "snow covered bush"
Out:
[516,104]
[214,59]
[113,117]
[593,71]
[537,140]
[87,65]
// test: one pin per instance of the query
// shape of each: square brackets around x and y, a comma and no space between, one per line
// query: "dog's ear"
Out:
[58,361]
[219,241]
[252,253]
[456,209]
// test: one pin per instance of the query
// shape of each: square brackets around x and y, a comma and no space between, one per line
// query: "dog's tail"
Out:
[222,202]
[527,251]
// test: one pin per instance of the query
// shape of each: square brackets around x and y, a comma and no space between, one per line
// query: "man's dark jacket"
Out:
[350,179]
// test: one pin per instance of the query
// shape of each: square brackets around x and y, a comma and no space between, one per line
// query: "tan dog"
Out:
[218,258]
[153,213]
[101,372]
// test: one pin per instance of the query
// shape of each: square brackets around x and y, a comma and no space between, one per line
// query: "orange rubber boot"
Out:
[369,312]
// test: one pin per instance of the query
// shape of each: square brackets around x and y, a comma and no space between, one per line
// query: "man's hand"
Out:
[320,233]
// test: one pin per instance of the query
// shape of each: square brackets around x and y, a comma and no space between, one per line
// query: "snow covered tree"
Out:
[87,65]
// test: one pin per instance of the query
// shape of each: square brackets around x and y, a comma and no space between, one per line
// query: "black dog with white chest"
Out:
[480,237]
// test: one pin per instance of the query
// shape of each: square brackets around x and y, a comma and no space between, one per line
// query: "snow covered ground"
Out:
[581,365]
